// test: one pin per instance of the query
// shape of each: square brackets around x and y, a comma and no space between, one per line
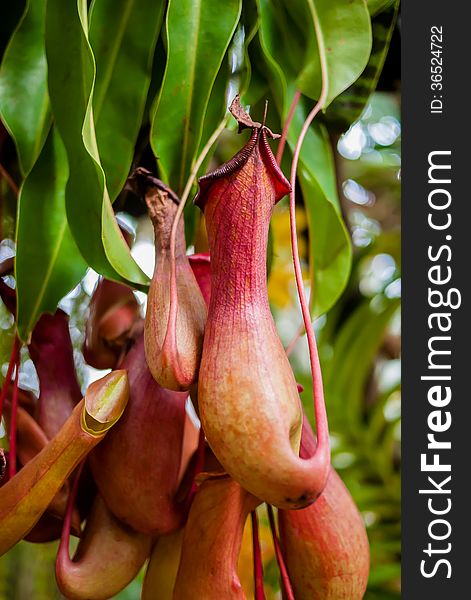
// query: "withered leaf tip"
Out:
[245,120]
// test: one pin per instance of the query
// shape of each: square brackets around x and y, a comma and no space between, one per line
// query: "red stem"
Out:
[65,535]
[11,366]
[286,583]
[284,133]
[12,433]
[257,559]
[318,388]
[173,308]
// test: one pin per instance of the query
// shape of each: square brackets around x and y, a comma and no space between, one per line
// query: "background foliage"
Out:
[90,91]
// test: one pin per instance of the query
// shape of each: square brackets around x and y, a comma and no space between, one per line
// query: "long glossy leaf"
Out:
[344,39]
[48,263]
[216,109]
[157,76]
[24,101]
[272,38]
[233,76]
[123,34]
[330,249]
[250,22]
[71,79]
[347,107]
[198,33]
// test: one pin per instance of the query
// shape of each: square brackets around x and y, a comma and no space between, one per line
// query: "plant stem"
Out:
[65,535]
[11,366]
[259,592]
[318,390]
[286,583]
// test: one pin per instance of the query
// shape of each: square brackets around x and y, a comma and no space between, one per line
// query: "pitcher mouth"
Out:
[260,132]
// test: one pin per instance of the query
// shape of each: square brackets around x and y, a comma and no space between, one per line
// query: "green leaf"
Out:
[48,264]
[258,88]
[330,252]
[250,21]
[340,34]
[355,348]
[375,7]
[344,40]
[217,105]
[272,37]
[215,111]
[347,107]
[198,33]
[157,76]
[233,77]
[71,80]
[24,101]
[123,35]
